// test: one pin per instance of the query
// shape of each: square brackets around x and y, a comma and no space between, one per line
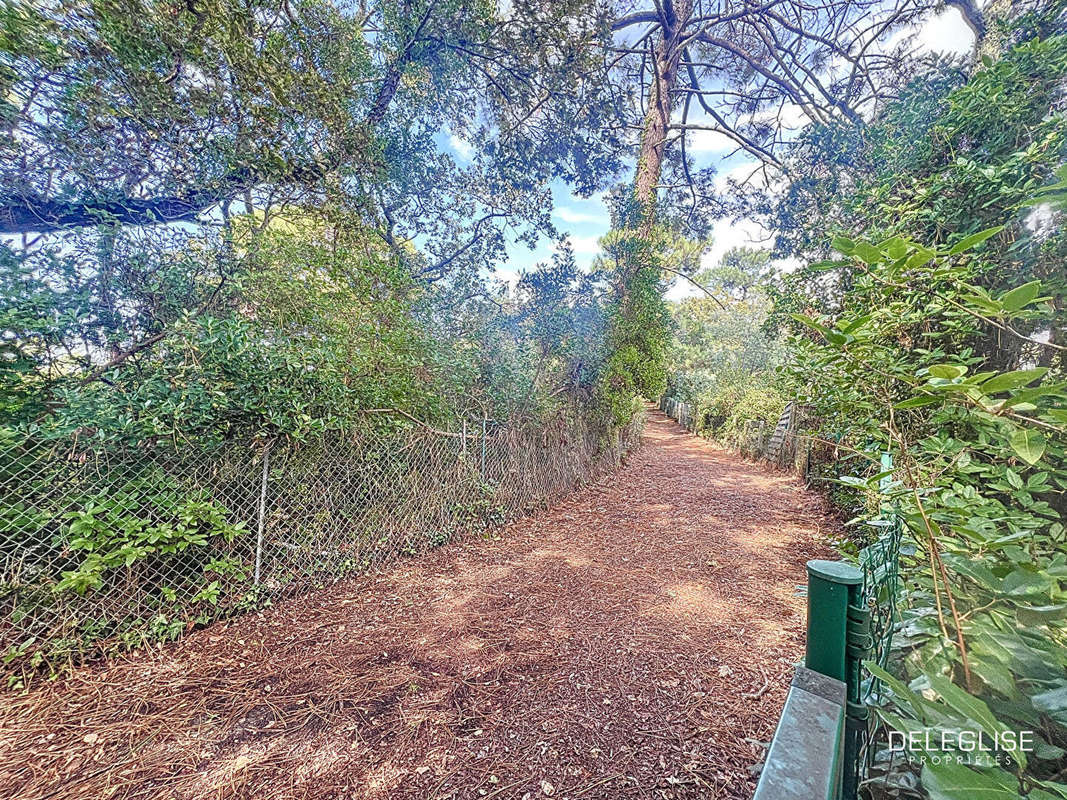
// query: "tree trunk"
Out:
[666,57]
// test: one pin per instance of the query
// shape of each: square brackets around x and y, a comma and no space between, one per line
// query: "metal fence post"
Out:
[262,513]
[832,586]
[485,421]
[885,482]
[834,589]
[815,753]
[860,644]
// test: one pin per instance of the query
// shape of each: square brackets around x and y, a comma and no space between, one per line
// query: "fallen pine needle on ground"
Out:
[635,641]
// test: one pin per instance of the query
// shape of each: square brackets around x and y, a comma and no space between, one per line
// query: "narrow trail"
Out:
[635,641]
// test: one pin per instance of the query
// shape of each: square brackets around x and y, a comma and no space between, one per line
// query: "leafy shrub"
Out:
[981,473]
[759,401]
[135,523]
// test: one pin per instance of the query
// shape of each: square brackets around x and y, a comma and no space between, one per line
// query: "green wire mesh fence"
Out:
[880,565]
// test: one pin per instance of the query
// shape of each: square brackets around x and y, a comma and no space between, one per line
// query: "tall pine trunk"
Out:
[640,327]
[666,58]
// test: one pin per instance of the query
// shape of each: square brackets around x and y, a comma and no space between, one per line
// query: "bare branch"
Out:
[700,286]
[638,18]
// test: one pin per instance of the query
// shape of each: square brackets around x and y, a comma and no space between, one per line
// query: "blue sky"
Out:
[586,219]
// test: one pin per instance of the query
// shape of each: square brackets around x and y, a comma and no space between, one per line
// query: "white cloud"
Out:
[1042,220]
[742,173]
[574,217]
[585,244]
[726,235]
[709,142]
[945,32]
[791,264]
[680,290]
[507,276]
[789,116]
[461,146]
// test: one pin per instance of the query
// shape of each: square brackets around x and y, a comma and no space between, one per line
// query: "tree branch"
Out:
[702,288]
[638,18]
[146,343]
[34,212]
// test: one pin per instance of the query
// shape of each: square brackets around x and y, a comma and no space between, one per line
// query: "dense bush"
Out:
[980,479]
[723,362]
[131,476]
[232,229]
[937,336]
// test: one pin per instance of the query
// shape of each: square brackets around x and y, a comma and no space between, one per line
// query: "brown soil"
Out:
[634,642]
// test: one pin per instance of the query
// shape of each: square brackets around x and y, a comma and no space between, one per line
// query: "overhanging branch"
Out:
[700,286]
[35,213]
[38,214]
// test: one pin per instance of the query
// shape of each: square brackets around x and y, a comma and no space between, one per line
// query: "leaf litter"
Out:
[635,641]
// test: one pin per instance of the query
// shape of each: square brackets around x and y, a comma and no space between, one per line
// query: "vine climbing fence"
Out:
[103,547]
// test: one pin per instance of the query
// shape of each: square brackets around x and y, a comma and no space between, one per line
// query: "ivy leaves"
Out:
[1029,446]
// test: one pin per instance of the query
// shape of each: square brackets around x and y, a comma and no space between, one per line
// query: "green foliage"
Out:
[937,335]
[137,522]
[757,401]
[717,344]
[639,332]
[742,271]
[944,161]
[563,313]
[242,231]
[981,480]
[722,360]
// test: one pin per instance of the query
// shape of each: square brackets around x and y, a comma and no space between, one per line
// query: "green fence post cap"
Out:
[835,572]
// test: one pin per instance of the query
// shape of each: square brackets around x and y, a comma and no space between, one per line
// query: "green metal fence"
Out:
[870,637]
[852,609]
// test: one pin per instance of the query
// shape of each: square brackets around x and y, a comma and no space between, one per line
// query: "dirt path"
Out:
[633,642]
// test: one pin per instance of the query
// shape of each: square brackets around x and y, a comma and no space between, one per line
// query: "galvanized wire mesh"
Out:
[105,546]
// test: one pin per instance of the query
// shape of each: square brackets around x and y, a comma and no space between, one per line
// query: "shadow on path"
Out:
[635,641]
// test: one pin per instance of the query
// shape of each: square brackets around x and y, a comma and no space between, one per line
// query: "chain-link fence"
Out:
[104,547]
